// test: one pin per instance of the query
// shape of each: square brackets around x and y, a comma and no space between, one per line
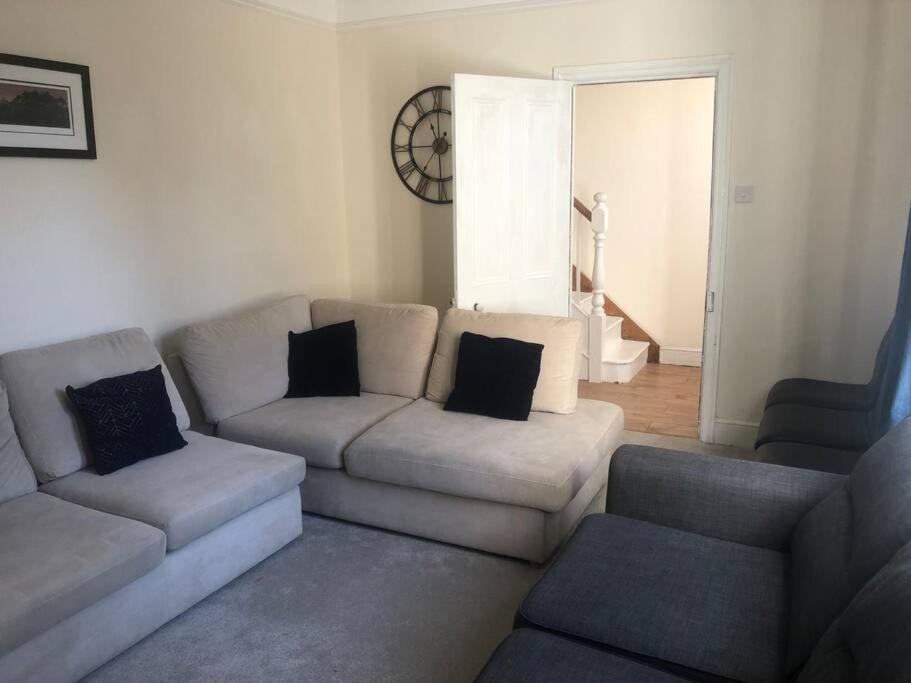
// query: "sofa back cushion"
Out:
[16,476]
[394,342]
[557,389]
[869,641]
[36,380]
[848,537]
[240,362]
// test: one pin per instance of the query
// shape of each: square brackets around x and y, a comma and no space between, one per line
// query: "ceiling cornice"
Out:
[319,13]
[349,15]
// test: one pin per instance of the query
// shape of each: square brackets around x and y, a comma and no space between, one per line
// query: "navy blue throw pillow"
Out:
[127,419]
[323,362]
[495,377]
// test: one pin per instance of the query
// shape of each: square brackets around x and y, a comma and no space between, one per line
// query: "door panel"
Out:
[513,163]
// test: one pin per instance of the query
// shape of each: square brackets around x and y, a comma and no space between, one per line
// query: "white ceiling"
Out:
[357,13]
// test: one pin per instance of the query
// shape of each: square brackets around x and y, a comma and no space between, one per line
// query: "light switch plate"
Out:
[743,194]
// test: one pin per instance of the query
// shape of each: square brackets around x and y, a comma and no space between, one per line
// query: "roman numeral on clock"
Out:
[406,169]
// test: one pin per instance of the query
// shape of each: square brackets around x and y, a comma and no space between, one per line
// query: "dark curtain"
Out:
[895,399]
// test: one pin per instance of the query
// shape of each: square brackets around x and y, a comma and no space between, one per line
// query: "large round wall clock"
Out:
[422,145]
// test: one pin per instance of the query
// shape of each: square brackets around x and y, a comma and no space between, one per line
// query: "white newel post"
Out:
[596,319]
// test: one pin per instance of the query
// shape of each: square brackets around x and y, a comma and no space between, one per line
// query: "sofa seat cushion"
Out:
[807,457]
[531,656]
[318,429]
[820,393]
[189,492]
[698,602]
[845,430]
[541,463]
[58,558]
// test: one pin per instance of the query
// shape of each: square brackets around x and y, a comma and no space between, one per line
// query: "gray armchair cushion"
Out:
[531,656]
[807,457]
[540,464]
[819,393]
[58,558]
[840,544]
[240,363]
[845,430]
[697,602]
[318,429]
[16,476]
[870,640]
[189,492]
[36,380]
[734,500]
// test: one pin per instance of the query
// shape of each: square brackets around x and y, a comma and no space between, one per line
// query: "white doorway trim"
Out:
[721,67]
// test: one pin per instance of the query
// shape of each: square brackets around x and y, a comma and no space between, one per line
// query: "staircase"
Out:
[606,355]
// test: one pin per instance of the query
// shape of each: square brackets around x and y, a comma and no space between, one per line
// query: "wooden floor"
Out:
[661,399]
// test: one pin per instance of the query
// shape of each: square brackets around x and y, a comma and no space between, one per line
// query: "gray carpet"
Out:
[350,603]
[342,603]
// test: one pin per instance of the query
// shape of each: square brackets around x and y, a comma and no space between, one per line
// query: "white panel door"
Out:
[512,193]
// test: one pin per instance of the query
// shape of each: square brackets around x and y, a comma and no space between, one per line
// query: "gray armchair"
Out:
[707,568]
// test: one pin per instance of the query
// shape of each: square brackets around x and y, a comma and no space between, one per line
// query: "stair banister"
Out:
[596,319]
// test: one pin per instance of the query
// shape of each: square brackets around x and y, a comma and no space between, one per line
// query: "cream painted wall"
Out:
[247,190]
[821,107]
[218,180]
[648,146]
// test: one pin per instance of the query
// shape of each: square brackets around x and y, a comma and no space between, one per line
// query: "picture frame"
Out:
[45,109]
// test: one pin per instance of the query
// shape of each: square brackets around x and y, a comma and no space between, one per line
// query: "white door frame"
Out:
[721,67]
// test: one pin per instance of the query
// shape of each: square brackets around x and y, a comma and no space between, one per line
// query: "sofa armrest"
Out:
[735,500]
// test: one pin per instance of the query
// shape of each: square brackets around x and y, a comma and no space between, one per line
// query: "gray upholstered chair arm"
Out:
[736,500]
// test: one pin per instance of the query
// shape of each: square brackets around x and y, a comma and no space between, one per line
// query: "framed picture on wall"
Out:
[45,109]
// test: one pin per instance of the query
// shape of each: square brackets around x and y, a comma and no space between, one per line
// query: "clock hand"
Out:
[428,163]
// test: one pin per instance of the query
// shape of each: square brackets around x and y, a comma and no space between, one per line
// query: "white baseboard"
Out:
[680,355]
[735,433]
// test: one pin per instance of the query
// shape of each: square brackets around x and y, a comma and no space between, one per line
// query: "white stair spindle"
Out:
[599,228]
[596,318]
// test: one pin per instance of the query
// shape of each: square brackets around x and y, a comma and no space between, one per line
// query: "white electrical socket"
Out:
[743,194]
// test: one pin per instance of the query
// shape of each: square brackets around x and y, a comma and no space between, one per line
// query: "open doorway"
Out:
[513,214]
[649,145]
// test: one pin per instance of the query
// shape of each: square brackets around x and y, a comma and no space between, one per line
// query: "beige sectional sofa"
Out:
[393,457]
[92,564]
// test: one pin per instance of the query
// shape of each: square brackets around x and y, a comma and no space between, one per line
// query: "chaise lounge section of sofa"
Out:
[392,457]
[92,564]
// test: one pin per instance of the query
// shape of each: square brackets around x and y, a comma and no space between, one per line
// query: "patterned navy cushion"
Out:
[127,419]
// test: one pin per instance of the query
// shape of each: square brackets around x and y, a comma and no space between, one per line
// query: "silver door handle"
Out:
[479,308]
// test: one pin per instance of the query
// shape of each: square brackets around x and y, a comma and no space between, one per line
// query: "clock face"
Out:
[422,145]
